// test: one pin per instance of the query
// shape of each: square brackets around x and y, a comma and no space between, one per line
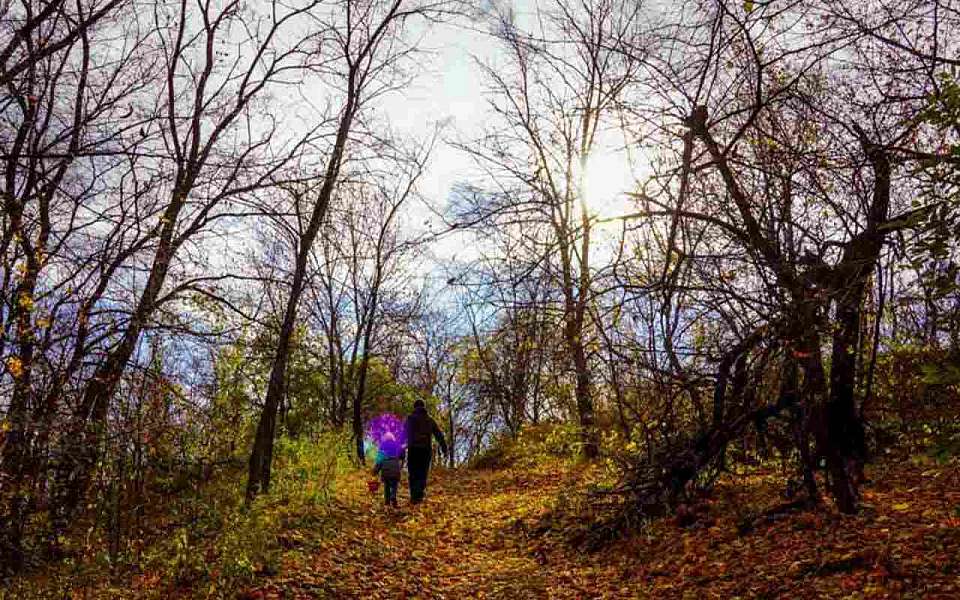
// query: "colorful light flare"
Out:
[387,434]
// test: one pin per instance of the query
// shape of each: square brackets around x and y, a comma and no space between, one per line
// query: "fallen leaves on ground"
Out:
[480,534]
[472,539]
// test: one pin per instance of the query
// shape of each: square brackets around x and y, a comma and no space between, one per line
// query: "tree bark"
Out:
[261,456]
[846,447]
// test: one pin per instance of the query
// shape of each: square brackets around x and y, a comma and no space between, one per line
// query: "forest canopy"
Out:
[684,239]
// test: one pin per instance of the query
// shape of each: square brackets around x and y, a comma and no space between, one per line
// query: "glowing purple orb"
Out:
[387,432]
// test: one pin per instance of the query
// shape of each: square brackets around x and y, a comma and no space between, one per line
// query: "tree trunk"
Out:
[371,315]
[790,394]
[451,435]
[845,435]
[358,416]
[591,447]
[81,446]
[261,456]
[845,448]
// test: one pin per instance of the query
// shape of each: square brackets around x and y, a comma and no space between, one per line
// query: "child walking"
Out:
[389,465]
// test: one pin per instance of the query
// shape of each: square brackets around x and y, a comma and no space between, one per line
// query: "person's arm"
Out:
[438,434]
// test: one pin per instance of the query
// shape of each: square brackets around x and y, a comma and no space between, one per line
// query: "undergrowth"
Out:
[207,538]
[531,445]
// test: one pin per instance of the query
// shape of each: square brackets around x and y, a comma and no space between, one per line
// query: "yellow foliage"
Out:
[25,301]
[15,366]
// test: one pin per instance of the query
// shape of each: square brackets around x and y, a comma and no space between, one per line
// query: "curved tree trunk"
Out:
[261,457]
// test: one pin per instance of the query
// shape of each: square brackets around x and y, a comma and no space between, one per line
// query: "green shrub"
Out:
[563,440]
[223,543]
[532,445]
[945,444]
[498,455]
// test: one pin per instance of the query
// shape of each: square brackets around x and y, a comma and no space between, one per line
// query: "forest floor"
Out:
[476,537]
[481,534]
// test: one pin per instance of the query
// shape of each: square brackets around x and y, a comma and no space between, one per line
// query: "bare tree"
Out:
[564,84]
[802,186]
[361,263]
[213,149]
[37,32]
[65,145]
[366,48]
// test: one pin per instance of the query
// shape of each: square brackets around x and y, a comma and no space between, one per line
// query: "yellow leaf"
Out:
[15,367]
[26,302]
[902,506]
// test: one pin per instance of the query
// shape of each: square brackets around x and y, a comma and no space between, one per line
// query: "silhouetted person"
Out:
[420,428]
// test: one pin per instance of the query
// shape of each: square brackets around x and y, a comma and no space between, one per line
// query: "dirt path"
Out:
[473,538]
[464,541]
[470,540]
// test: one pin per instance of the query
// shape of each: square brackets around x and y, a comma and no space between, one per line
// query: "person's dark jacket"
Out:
[389,467]
[420,428]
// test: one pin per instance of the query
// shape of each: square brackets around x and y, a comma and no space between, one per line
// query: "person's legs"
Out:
[414,469]
[419,484]
[417,466]
[390,491]
[428,455]
[386,492]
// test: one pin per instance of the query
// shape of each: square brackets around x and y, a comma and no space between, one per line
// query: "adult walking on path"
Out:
[420,429]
